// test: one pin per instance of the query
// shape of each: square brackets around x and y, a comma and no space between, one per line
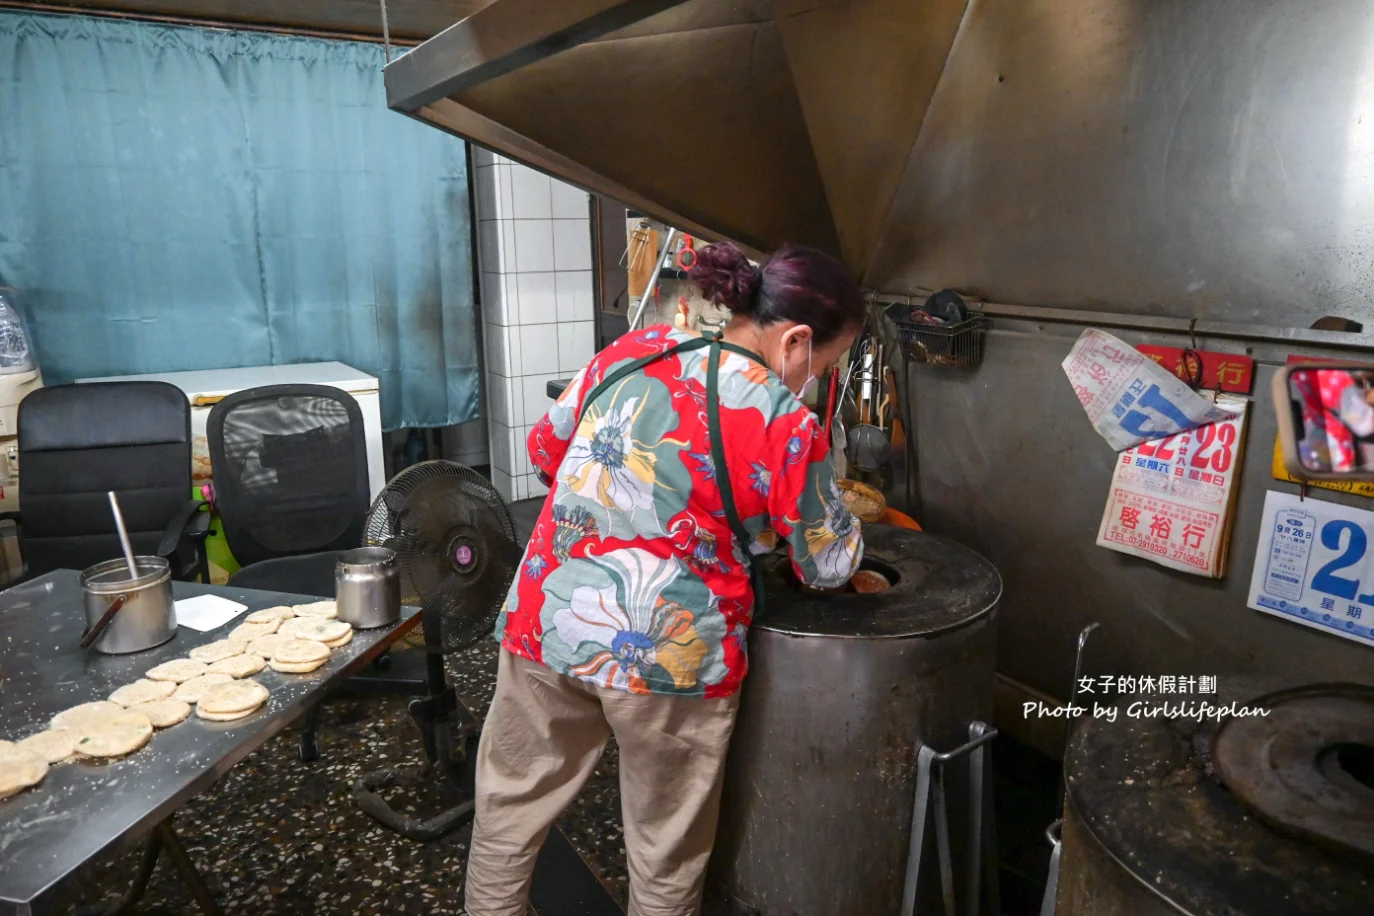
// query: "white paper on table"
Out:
[206,612]
[1313,565]
[1129,397]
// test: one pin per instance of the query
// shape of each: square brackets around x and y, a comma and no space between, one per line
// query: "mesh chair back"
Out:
[290,470]
[76,442]
[307,574]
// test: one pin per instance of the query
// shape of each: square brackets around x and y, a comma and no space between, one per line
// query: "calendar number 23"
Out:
[1215,447]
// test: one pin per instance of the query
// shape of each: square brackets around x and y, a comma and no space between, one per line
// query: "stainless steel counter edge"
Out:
[288,714]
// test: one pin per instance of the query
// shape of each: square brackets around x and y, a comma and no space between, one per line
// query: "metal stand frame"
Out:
[162,838]
[449,735]
[982,848]
[1053,833]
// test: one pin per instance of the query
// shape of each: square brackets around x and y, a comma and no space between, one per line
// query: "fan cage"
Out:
[421,514]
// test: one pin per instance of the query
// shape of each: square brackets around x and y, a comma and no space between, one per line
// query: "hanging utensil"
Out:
[894,404]
[831,401]
[839,439]
[869,448]
[839,461]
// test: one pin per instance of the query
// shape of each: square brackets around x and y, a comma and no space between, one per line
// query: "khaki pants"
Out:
[540,743]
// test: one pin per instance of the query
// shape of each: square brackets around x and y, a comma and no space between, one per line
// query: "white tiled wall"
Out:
[535,253]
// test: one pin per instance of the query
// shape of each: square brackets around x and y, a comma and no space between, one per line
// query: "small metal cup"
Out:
[368,587]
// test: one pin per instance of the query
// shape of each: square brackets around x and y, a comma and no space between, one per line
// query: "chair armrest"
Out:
[11,516]
[187,522]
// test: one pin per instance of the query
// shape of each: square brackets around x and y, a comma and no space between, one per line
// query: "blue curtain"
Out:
[178,198]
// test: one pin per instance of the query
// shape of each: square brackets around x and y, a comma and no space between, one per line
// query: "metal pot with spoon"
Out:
[128,601]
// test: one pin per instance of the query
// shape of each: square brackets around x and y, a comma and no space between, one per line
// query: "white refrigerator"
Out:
[205,388]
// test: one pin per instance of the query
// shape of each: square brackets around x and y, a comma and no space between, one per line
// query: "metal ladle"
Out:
[868,444]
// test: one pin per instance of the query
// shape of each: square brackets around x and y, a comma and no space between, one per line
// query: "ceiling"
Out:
[410,20]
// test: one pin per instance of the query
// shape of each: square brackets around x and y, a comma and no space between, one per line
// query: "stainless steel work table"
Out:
[84,808]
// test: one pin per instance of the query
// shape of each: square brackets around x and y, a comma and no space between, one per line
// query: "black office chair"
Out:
[76,443]
[290,470]
[308,574]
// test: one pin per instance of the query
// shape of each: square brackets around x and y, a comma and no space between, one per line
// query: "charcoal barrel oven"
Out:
[1273,818]
[842,690]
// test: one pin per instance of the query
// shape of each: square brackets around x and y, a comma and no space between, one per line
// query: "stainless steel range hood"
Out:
[758,121]
[1169,157]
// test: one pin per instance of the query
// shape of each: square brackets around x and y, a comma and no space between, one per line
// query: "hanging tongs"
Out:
[839,438]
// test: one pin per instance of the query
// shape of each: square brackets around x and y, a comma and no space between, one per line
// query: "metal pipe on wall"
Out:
[1225,330]
[653,279]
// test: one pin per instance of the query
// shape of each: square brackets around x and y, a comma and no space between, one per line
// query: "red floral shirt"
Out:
[632,578]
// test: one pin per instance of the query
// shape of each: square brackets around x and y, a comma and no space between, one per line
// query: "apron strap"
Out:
[727,495]
[633,367]
[713,432]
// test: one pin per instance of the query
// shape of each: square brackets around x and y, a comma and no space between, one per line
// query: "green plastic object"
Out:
[221,559]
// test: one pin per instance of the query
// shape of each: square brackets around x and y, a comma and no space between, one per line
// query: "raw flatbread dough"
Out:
[165,712]
[120,734]
[225,716]
[300,656]
[245,665]
[341,641]
[19,769]
[247,632]
[326,610]
[177,670]
[191,691]
[301,668]
[319,630]
[141,691]
[266,646]
[301,651]
[272,613]
[54,744]
[219,649]
[237,696]
[86,714]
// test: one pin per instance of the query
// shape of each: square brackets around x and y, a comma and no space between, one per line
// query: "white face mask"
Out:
[809,385]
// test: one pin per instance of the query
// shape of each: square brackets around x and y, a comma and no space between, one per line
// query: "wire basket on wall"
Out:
[958,344]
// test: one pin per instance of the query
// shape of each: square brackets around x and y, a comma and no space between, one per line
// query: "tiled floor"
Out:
[278,836]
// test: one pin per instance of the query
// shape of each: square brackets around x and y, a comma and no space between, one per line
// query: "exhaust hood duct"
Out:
[1147,157]
[741,119]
